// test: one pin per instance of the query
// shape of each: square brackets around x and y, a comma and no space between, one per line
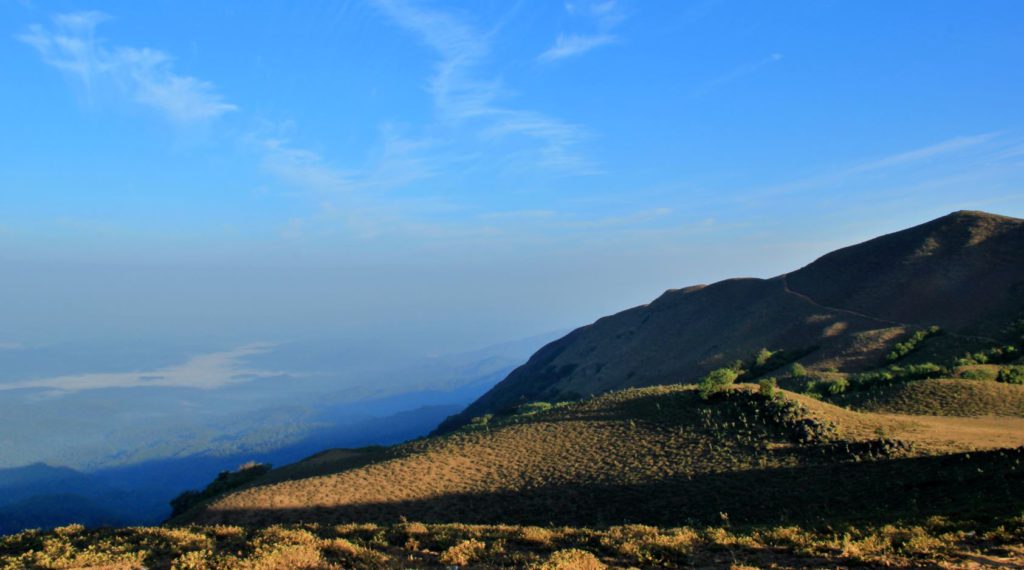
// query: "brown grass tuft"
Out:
[572,559]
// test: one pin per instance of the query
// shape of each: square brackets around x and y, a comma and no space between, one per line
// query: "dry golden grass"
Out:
[656,454]
[943,397]
[943,434]
[593,442]
[932,434]
[935,543]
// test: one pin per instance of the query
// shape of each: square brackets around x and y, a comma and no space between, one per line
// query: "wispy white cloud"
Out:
[737,73]
[462,97]
[402,159]
[398,160]
[142,74]
[606,14]
[953,145]
[561,140]
[602,16]
[206,372]
[303,168]
[573,45]
[355,202]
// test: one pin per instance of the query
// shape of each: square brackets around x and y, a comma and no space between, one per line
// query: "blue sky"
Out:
[446,175]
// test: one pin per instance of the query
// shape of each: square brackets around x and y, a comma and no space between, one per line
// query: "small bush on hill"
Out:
[896,374]
[768,388]
[1011,375]
[819,387]
[838,386]
[716,381]
[463,553]
[797,370]
[766,361]
[824,387]
[572,559]
[533,408]
[979,373]
[762,357]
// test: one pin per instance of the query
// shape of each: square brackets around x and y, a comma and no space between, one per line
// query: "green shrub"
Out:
[768,388]
[976,374]
[481,421]
[911,344]
[766,361]
[897,374]
[838,386]
[533,408]
[1011,375]
[995,355]
[716,381]
[797,370]
[762,357]
[818,387]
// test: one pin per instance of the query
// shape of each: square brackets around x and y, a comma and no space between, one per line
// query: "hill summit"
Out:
[963,272]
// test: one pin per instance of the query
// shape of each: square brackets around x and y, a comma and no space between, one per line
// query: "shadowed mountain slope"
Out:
[963,272]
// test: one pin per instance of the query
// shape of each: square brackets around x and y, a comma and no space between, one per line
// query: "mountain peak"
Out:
[978,214]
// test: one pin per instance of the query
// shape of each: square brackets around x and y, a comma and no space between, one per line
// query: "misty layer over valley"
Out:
[112,433]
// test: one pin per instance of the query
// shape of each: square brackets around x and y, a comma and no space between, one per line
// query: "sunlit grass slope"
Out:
[658,455]
[941,397]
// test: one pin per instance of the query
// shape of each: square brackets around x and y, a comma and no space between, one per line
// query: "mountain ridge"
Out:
[963,272]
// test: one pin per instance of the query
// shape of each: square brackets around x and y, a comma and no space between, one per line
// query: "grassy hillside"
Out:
[660,455]
[848,310]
